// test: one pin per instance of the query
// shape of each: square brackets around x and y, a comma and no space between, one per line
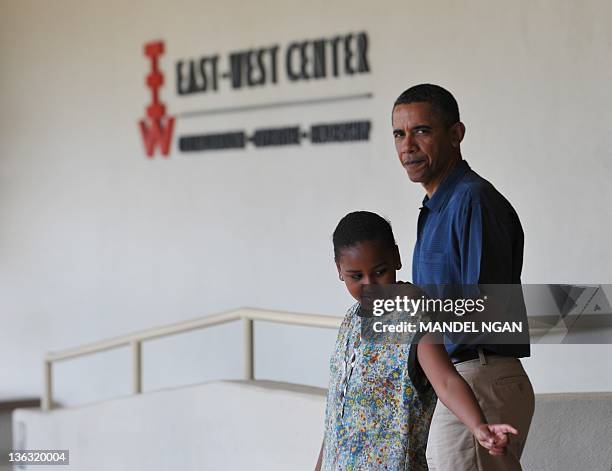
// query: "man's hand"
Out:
[494,437]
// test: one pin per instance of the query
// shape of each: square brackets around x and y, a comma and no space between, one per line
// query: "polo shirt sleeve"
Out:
[471,244]
[490,243]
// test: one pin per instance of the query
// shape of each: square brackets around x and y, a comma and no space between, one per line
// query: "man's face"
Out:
[426,146]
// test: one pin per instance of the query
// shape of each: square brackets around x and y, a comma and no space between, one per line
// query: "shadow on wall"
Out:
[8,430]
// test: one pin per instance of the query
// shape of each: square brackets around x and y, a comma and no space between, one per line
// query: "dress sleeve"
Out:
[415,371]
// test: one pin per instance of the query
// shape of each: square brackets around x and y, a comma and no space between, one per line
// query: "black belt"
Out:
[464,355]
[467,355]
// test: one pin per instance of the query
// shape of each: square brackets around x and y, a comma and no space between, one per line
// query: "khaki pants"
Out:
[505,395]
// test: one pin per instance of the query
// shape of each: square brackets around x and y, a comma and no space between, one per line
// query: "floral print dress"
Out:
[375,418]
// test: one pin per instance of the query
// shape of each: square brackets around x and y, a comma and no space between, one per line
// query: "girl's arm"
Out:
[457,395]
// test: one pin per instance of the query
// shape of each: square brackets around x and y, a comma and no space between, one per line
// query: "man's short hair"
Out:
[439,98]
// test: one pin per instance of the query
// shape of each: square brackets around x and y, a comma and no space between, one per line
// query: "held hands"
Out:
[494,437]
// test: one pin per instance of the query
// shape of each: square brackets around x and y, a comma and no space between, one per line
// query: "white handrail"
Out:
[135,340]
[248,315]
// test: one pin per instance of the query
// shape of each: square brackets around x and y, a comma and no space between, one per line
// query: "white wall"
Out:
[215,426]
[97,240]
[271,426]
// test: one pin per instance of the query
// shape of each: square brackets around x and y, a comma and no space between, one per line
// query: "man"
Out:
[468,234]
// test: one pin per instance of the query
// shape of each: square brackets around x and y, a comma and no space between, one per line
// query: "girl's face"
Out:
[367,263]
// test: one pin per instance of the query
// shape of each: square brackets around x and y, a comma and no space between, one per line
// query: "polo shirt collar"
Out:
[447,187]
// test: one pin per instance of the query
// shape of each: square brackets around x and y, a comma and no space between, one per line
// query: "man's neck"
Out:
[432,186]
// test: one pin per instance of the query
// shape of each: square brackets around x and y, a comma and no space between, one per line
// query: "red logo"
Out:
[156,128]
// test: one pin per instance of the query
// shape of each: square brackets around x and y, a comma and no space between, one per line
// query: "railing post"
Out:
[136,367]
[248,348]
[47,400]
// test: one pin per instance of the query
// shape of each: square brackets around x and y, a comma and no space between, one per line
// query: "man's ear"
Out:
[457,134]
[398,261]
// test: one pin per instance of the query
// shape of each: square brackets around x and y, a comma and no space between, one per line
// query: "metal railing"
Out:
[135,340]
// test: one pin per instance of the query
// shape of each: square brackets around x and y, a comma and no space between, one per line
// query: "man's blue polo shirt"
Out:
[468,233]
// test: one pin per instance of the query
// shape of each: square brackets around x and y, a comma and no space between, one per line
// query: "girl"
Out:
[376,418]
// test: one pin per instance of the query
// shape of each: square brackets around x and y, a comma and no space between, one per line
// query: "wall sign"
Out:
[338,57]
[156,128]
[265,66]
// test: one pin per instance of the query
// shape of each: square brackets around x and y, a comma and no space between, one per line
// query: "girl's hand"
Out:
[494,437]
